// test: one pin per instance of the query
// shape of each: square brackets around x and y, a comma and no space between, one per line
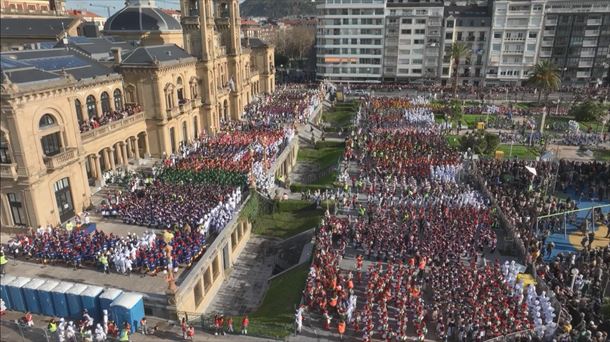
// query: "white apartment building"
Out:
[349,40]
[469,25]
[516,32]
[412,48]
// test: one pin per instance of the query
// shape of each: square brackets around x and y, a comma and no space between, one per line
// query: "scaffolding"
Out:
[591,213]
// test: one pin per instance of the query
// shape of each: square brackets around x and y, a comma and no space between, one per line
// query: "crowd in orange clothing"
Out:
[422,234]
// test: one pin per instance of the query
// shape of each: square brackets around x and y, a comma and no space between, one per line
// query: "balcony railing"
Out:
[8,170]
[592,22]
[60,160]
[111,127]
[591,33]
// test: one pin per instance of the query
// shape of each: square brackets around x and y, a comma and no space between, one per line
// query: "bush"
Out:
[587,111]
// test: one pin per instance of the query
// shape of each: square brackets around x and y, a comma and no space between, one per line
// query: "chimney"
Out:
[116,53]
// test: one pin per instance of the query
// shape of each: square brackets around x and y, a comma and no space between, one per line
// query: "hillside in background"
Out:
[277,8]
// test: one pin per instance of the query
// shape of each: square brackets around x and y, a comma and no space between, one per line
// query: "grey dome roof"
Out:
[141,18]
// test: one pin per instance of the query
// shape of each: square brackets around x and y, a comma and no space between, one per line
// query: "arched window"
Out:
[131,94]
[5,151]
[169,96]
[118,99]
[51,142]
[180,90]
[105,99]
[79,110]
[195,128]
[185,133]
[226,110]
[91,106]
[47,121]
[194,88]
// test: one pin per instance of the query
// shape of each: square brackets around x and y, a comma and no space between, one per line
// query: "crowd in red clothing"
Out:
[424,236]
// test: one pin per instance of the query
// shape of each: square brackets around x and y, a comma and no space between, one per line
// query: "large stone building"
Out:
[155,93]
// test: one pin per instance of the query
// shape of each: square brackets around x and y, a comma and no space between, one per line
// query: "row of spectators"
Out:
[108,117]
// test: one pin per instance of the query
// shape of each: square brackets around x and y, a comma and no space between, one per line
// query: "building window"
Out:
[169,97]
[14,202]
[172,139]
[51,144]
[79,110]
[195,128]
[46,121]
[185,134]
[194,89]
[5,154]
[497,34]
[118,99]
[180,91]
[533,35]
[105,100]
[63,197]
[91,107]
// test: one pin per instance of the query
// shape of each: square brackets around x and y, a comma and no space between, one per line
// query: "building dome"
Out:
[141,16]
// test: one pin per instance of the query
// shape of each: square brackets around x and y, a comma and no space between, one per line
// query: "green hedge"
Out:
[298,187]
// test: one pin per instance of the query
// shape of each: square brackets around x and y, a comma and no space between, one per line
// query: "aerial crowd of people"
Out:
[189,198]
[428,235]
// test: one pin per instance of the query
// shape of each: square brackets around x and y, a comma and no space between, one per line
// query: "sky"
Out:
[115,5]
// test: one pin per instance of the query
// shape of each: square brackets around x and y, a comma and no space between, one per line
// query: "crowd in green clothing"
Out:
[207,176]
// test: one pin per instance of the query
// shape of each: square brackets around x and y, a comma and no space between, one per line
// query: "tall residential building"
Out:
[515,41]
[412,48]
[467,25]
[349,40]
[576,38]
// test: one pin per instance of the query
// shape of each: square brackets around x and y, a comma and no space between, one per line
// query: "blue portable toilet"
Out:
[91,301]
[107,297]
[15,292]
[129,307]
[45,297]
[7,278]
[75,305]
[60,301]
[30,292]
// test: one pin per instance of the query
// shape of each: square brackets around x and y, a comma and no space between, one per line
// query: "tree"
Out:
[587,111]
[457,112]
[545,78]
[480,142]
[459,52]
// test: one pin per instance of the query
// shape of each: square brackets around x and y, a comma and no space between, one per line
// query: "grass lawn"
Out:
[471,119]
[341,115]
[519,151]
[293,217]
[602,155]
[327,154]
[275,316]
[584,126]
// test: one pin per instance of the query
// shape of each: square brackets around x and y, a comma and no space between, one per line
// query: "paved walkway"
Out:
[245,287]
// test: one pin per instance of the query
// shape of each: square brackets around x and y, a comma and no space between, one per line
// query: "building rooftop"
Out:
[141,16]
[253,43]
[467,11]
[158,54]
[39,27]
[45,64]
[84,13]
[97,48]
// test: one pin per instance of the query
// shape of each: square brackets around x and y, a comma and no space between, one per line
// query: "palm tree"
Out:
[545,78]
[459,51]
